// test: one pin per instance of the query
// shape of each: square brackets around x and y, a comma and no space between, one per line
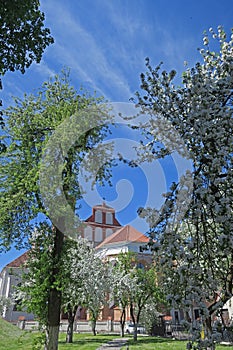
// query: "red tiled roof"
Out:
[19,261]
[125,234]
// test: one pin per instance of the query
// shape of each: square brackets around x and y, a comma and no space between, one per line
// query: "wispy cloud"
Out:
[44,69]
[81,50]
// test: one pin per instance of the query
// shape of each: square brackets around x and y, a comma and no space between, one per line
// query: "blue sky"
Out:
[105,43]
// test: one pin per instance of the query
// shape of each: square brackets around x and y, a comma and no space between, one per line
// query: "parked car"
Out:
[130,329]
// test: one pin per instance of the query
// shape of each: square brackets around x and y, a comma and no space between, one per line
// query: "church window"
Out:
[98,216]
[109,218]
[108,232]
[88,233]
[98,234]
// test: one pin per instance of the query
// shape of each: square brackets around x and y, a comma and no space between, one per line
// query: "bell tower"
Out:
[101,224]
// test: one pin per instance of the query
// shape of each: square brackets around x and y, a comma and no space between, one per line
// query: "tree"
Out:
[84,281]
[122,282]
[196,250]
[23,37]
[34,288]
[133,287]
[77,256]
[145,291]
[150,316]
[30,124]
[95,289]
[4,303]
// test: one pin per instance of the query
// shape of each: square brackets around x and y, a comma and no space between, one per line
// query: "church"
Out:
[108,237]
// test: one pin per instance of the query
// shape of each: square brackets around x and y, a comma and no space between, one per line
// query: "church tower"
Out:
[101,224]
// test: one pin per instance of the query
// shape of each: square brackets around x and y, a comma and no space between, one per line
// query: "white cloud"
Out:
[79,49]
[44,69]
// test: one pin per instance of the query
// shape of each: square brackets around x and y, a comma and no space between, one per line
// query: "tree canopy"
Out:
[31,123]
[134,287]
[23,36]
[195,246]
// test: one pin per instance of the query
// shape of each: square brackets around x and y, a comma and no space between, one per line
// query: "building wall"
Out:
[9,279]
[101,224]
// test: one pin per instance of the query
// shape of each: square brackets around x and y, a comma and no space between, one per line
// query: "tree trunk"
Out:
[135,330]
[122,322]
[54,302]
[70,328]
[93,326]
[70,331]
[52,338]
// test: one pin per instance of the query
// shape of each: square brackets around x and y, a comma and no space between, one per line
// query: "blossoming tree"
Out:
[85,282]
[82,279]
[133,287]
[122,282]
[195,246]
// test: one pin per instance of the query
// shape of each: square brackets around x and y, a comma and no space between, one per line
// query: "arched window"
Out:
[98,216]
[88,233]
[98,234]
[109,218]
[108,232]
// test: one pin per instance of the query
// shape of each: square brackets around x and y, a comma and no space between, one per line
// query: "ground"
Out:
[15,339]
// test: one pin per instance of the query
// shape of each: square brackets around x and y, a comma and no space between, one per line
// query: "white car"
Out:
[130,329]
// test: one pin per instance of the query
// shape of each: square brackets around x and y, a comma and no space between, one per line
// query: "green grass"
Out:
[152,343]
[84,341]
[12,338]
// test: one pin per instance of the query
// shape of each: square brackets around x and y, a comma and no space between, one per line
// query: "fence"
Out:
[79,326]
[167,329]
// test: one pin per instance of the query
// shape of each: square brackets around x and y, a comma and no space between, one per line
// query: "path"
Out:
[115,344]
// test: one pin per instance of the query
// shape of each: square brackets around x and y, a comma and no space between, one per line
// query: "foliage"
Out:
[23,38]
[76,254]
[134,287]
[95,275]
[4,302]
[195,246]
[34,289]
[122,282]
[23,35]
[146,291]
[149,316]
[31,123]
[84,279]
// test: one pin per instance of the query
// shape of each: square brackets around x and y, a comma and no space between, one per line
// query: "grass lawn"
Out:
[12,338]
[157,343]
[85,341]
